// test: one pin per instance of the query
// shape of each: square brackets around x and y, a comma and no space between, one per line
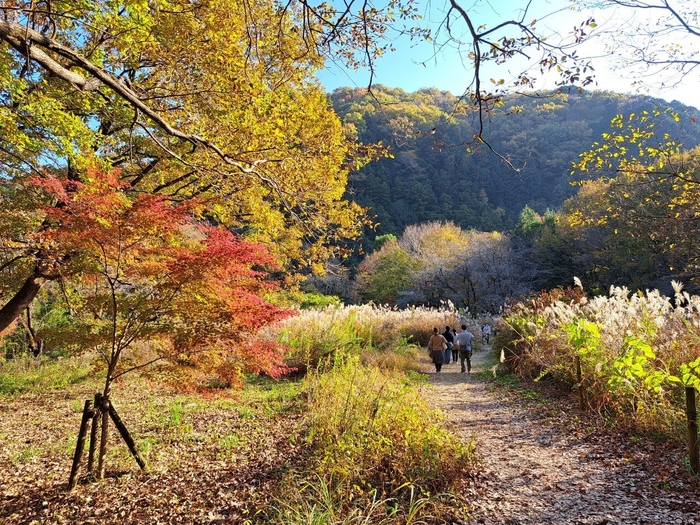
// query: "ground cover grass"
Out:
[40,374]
[209,459]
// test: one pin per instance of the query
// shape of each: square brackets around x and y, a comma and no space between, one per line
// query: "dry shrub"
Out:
[632,349]
[372,430]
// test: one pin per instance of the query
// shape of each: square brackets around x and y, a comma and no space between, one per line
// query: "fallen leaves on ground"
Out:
[209,461]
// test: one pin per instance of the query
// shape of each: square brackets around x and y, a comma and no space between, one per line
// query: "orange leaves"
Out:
[143,270]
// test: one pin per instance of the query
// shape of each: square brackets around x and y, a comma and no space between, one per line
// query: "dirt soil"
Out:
[546,462]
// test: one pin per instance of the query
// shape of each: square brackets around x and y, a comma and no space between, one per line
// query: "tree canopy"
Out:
[433,263]
[215,100]
[211,100]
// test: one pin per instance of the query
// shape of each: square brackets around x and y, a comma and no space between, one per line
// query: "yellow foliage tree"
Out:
[210,100]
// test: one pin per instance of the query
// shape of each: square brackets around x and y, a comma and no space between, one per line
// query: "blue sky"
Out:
[413,66]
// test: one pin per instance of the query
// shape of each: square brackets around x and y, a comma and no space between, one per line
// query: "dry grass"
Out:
[314,335]
[632,349]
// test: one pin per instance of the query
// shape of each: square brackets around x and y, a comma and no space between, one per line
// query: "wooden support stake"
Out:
[581,401]
[104,437]
[80,445]
[93,432]
[692,415]
[126,436]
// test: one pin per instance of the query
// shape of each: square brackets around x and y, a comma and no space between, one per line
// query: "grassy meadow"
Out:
[350,440]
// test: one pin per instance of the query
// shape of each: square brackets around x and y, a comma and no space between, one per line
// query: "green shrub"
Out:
[635,351]
[372,430]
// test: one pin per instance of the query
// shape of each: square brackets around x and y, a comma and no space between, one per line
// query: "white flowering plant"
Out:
[630,352]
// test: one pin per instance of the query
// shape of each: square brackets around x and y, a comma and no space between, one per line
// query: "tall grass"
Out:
[316,505]
[379,451]
[315,335]
[636,351]
[373,430]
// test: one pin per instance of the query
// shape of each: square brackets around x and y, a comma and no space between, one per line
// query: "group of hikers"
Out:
[451,345]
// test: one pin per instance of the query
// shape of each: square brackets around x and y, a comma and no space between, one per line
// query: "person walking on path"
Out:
[486,332]
[464,342]
[447,334]
[455,352]
[436,348]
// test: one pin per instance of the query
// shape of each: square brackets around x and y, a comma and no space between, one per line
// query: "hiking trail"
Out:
[541,464]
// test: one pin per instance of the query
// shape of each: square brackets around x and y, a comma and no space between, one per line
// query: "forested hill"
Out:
[438,174]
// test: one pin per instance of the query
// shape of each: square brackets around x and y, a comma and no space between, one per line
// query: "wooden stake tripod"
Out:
[99,414]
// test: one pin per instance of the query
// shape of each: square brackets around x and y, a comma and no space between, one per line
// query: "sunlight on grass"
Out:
[25,455]
[636,352]
[317,506]
[374,440]
[26,374]
[315,335]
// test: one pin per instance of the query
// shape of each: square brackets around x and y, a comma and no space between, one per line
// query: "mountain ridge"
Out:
[441,172]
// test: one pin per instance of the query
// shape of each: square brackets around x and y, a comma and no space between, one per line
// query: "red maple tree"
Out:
[150,287]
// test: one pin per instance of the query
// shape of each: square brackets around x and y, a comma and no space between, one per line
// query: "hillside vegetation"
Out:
[435,176]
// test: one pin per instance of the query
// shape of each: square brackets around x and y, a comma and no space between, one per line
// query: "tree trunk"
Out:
[692,416]
[36,345]
[23,298]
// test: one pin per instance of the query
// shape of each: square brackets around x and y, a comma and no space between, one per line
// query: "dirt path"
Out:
[538,471]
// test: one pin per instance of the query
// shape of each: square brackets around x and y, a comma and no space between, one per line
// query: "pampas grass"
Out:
[631,347]
[315,335]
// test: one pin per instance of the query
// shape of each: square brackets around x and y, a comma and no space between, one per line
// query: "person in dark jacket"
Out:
[450,338]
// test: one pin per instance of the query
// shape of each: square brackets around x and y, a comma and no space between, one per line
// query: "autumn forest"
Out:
[218,281]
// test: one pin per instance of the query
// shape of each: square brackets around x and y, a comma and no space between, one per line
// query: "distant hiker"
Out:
[486,332]
[436,347]
[449,337]
[455,352]
[464,345]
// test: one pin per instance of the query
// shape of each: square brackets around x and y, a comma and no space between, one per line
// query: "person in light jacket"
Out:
[436,348]
[486,332]
[464,342]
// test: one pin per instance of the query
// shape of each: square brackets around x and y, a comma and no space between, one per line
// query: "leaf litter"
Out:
[209,462]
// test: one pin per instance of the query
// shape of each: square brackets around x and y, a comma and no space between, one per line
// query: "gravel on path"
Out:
[542,464]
